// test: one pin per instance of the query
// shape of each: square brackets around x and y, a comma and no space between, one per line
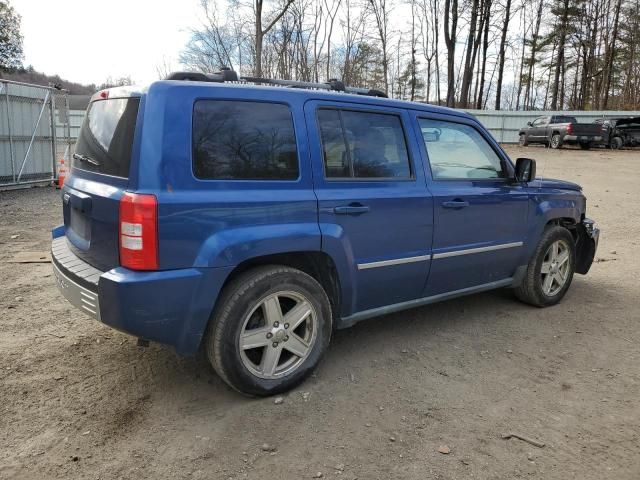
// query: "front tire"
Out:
[269,330]
[523,140]
[550,270]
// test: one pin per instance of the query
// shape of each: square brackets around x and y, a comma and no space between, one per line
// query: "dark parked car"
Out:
[620,132]
[557,130]
[252,220]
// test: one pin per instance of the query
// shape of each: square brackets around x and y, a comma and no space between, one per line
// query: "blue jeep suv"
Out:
[252,217]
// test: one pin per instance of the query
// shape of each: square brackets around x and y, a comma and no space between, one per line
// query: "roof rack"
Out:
[228,75]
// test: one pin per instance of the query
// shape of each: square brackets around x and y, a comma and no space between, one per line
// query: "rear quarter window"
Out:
[237,140]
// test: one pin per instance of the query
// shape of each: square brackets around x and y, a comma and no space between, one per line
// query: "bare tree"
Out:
[501,55]
[164,68]
[560,53]
[381,10]
[261,31]
[486,15]
[535,39]
[450,38]
[609,56]
[471,49]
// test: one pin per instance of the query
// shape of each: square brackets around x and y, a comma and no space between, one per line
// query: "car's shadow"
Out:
[368,339]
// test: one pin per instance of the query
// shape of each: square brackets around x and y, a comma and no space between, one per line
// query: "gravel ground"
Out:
[78,400]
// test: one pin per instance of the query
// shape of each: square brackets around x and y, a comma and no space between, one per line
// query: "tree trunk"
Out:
[501,56]
[467,75]
[436,35]
[521,72]
[560,58]
[259,35]
[532,58]
[612,48]
[485,48]
[413,52]
[450,33]
[261,32]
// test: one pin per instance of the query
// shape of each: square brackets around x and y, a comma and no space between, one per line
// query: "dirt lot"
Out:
[78,400]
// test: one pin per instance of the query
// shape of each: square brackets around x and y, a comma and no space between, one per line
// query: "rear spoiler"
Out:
[117,92]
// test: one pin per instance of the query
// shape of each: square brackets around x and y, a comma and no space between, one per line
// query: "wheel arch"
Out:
[584,246]
[317,264]
[569,223]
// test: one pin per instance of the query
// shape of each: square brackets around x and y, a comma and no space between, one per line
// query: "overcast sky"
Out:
[87,41]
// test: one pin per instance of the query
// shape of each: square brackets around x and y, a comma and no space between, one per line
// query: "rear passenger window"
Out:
[363,145]
[235,140]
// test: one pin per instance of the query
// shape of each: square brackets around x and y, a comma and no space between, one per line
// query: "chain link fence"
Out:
[35,133]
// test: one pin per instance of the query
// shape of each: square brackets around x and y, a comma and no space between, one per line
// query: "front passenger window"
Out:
[458,151]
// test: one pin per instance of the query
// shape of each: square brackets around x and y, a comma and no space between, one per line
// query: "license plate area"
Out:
[81,225]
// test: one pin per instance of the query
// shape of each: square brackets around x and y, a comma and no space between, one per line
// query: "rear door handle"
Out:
[352,209]
[455,204]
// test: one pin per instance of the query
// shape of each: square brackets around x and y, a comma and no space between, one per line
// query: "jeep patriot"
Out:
[252,217]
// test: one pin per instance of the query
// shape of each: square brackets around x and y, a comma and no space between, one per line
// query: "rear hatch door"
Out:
[100,172]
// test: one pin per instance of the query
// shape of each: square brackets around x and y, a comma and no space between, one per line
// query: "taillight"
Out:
[570,129]
[139,231]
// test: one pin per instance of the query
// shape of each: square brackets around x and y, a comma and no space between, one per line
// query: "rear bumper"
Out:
[581,139]
[170,307]
[77,295]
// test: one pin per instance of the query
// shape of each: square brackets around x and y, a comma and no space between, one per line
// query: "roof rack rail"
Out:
[228,75]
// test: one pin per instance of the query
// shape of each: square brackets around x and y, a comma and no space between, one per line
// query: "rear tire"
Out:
[617,143]
[556,141]
[269,330]
[550,270]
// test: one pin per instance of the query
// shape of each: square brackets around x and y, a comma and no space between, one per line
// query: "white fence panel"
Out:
[504,125]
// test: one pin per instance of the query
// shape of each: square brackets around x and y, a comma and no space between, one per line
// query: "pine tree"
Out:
[10,38]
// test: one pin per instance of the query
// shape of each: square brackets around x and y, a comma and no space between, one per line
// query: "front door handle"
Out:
[351,209]
[455,204]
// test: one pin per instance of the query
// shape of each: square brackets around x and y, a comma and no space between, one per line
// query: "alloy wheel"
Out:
[555,268]
[278,335]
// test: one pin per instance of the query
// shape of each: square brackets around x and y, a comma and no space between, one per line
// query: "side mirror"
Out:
[525,170]
[529,124]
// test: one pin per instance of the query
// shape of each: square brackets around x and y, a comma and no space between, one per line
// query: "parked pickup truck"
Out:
[251,221]
[557,130]
[620,132]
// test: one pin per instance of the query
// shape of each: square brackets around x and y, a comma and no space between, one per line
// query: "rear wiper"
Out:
[84,158]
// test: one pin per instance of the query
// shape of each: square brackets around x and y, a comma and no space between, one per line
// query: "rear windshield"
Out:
[564,119]
[106,138]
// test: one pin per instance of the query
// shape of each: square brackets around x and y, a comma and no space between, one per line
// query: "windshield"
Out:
[106,138]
